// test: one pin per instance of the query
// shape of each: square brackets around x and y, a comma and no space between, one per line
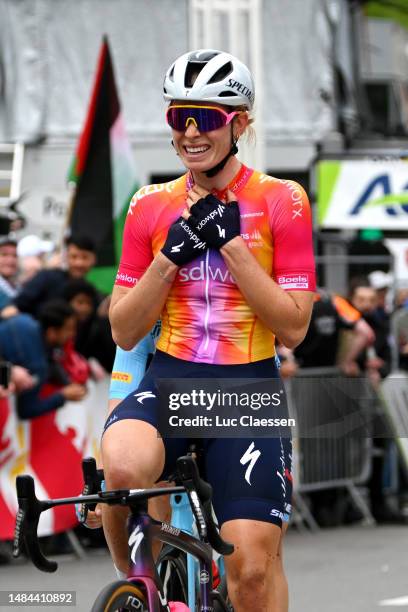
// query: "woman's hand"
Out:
[94,517]
[195,194]
[22,379]
[217,222]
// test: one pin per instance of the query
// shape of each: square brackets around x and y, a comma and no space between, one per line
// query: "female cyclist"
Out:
[224,256]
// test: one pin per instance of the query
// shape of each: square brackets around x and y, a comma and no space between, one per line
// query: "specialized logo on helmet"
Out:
[242,89]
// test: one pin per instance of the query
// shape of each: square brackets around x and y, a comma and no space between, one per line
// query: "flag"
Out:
[103,173]
[50,448]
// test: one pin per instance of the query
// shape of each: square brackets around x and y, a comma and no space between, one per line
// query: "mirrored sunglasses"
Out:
[204,118]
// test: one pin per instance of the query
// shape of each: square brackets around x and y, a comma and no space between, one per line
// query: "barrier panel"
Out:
[329,450]
[50,448]
[394,397]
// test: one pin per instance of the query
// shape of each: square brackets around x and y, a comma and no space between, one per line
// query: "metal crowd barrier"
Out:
[323,460]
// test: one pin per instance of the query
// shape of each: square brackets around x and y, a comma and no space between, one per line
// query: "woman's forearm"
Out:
[276,308]
[132,315]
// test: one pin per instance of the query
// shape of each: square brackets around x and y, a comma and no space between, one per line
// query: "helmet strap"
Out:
[220,166]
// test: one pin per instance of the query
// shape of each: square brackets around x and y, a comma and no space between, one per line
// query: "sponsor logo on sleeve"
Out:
[123,277]
[293,281]
[124,377]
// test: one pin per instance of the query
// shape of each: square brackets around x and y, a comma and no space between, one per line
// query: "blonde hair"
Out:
[249,133]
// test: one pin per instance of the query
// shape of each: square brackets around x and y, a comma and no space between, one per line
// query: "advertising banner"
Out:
[363,194]
[50,448]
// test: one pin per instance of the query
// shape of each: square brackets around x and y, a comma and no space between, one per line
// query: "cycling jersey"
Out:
[206,318]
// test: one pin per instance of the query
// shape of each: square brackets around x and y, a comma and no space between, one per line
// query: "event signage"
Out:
[363,194]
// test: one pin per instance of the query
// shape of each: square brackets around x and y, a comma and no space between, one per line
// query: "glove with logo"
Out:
[183,244]
[216,222]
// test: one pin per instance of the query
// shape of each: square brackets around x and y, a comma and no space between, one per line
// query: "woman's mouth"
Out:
[197,150]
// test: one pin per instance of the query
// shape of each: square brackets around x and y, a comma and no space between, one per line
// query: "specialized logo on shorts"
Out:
[124,377]
[111,420]
[250,456]
[294,281]
[277,513]
[281,475]
[144,395]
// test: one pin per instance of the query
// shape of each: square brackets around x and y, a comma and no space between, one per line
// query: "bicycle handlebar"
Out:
[30,508]
[28,515]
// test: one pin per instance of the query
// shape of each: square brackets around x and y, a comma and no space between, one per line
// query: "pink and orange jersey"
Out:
[206,318]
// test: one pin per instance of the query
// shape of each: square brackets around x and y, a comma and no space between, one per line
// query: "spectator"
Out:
[31,251]
[50,283]
[331,314]
[399,326]
[382,283]
[376,361]
[8,271]
[38,347]
[94,337]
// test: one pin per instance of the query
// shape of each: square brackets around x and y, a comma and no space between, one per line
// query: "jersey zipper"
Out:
[207,302]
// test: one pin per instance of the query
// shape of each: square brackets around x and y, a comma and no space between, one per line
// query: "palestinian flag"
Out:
[104,174]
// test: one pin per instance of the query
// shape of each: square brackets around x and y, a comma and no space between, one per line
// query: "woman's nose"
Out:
[192,130]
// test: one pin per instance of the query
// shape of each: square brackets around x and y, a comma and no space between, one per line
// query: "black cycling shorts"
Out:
[251,478]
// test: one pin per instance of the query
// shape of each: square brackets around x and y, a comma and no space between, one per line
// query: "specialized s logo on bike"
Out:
[134,542]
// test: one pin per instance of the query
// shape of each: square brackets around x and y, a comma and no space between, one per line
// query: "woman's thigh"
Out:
[132,454]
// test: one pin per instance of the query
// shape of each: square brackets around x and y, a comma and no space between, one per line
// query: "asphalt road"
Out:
[354,569]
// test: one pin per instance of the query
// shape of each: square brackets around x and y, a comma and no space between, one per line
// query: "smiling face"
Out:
[79,261]
[200,151]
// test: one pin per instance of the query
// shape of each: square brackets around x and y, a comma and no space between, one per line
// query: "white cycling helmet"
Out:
[208,75]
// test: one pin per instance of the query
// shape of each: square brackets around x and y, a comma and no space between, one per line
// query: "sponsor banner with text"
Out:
[363,194]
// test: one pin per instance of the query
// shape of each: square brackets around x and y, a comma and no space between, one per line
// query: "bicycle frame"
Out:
[142,530]
[183,518]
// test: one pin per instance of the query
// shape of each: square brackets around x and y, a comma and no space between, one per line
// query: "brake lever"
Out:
[93,483]
[28,516]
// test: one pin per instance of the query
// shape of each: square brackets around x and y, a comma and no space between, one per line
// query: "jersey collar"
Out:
[238,182]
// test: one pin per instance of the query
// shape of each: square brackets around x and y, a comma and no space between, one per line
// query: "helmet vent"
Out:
[171,73]
[227,94]
[221,73]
